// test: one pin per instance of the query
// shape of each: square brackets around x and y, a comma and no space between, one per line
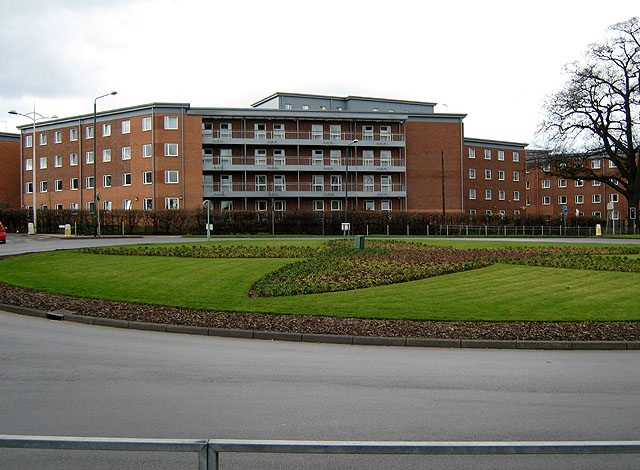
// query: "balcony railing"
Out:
[307,189]
[339,138]
[313,163]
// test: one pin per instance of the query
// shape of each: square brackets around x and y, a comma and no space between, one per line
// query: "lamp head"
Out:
[13,111]
[113,93]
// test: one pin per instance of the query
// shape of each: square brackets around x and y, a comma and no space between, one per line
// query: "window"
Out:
[261,182]
[126,204]
[147,177]
[613,197]
[562,200]
[43,163]
[528,201]
[335,132]
[472,212]
[288,106]
[171,203]
[318,205]
[57,161]
[516,156]
[527,185]
[595,164]
[317,183]
[126,179]
[336,183]
[146,123]
[336,205]
[546,167]
[612,165]
[226,156]
[385,183]
[472,194]
[546,184]
[28,164]
[385,157]
[106,130]
[305,107]
[502,195]
[126,127]
[385,205]
[43,139]
[385,133]
[73,159]
[316,131]
[57,137]
[278,132]
[226,182]
[226,130]
[562,183]
[487,174]
[106,181]
[367,132]
[89,182]
[89,158]
[260,156]
[487,194]
[578,183]
[487,154]
[318,157]
[170,150]
[261,205]
[28,188]
[28,140]
[367,157]
[226,205]
[472,153]
[279,183]
[516,195]
[501,175]
[58,207]
[579,199]
[73,206]
[73,184]
[90,206]
[147,150]
[57,185]
[501,155]
[367,183]
[472,173]
[516,176]
[375,110]
[89,132]
[147,204]
[171,122]
[546,200]
[279,205]
[596,214]
[596,198]
[106,205]
[73,135]
[369,205]
[336,157]
[44,186]
[596,183]
[106,155]
[259,131]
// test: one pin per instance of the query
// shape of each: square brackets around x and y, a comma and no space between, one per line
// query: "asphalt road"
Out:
[60,378]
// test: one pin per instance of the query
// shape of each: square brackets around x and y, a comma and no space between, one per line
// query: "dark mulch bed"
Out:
[568,331]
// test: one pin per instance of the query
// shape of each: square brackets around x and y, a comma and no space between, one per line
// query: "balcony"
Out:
[251,137]
[303,189]
[302,163]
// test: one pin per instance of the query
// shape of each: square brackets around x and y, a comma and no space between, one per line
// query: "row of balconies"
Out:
[212,136]
[303,189]
[301,163]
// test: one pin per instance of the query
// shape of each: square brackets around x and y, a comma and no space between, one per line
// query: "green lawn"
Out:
[498,293]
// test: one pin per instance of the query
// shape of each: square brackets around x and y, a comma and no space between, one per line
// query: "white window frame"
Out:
[279,205]
[596,164]
[336,204]
[279,131]
[147,150]
[57,137]
[336,183]
[73,134]
[516,156]
[318,205]
[472,194]
[367,158]
[126,127]
[106,181]
[261,205]
[89,157]
[146,123]
[613,197]
[127,204]
[317,157]
[279,183]
[546,200]
[28,187]
[369,205]
[89,182]
[259,130]
[147,204]
[44,162]
[501,175]
[386,183]
[28,164]
[368,183]
[73,184]
[57,161]
[516,176]
[260,157]
[226,182]
[171,149]
[226,130]
[171,122]
[171,177]
[172,203]
[562,200]
[386,205]
[317,183]
[106,155]
[596,199]
[501,155]
[73,159]
[28,141]
[88,132]
[562,183]
[126,179]
[487,194]
[57,185]
[260,183]
[73,206]
[385,133]
[385,158]
[317,131]
[579,199]
[106,206]
[147,177]
[367,132]
[43,139]
[44,186]
[487,174]
[106,129]
[487,154]
[335,157]
[472,152]
[545,184]
[472,173]
[335,132]
[502,195]
[516,195]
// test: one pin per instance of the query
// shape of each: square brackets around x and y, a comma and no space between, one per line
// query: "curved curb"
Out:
[327,338]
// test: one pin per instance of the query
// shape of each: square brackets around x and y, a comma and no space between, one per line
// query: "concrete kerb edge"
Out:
[327,338]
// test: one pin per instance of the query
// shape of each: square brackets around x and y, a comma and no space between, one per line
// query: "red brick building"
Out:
[287,152]
[9,170]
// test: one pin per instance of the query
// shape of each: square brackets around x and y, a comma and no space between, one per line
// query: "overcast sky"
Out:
[496,61]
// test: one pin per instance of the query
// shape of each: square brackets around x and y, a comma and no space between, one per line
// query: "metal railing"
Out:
[311,188]
[301,160]
[337,137]
[208,450]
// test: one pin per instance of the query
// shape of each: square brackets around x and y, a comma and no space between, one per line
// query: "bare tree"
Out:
[597,114]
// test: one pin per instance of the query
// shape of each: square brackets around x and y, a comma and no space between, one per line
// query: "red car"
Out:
[3,234]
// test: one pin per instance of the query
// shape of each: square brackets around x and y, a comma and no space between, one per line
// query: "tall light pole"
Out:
[34,117]
[346,181]
[96,224]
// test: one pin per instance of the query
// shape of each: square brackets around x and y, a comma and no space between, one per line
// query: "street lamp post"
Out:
[346,185]
[96,222]
[34,117]
[207,205]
